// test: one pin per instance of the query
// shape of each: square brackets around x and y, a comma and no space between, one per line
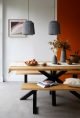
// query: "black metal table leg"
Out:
[75,76]
[25,78]
[35,109]
[53,98]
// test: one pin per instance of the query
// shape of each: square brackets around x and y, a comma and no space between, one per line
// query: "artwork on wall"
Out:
[15,27]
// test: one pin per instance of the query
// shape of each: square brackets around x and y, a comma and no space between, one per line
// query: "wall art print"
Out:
[15,27]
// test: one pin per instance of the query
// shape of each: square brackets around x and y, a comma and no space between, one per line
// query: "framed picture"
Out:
[15,27]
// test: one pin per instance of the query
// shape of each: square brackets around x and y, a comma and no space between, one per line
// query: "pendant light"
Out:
[54,26]
[28,26]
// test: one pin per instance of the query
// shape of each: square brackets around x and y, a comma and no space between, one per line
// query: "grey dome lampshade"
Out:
[54,28]
[28,28]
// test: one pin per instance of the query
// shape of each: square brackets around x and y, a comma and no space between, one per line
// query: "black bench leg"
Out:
[53,98]
[35,109]
[26,95]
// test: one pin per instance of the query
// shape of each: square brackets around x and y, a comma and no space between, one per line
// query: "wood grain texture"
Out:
[44,68]
[34,86]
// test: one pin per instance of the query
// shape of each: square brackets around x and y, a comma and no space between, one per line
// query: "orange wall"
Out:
[69,18]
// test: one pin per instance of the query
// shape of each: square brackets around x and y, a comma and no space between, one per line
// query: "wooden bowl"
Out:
[31,63]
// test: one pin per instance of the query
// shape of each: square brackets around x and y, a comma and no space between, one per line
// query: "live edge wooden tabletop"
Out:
[23,67]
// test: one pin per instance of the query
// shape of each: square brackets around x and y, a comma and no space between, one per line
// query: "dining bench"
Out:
[34,88]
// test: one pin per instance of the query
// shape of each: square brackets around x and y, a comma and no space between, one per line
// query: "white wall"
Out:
[36,46]
[1,44]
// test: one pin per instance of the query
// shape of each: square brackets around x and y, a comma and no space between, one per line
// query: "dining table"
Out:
[50,70]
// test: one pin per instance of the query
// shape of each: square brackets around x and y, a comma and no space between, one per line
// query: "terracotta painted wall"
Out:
[69,17]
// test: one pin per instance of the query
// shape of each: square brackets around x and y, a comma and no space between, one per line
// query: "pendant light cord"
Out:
[54,9]
[28,10]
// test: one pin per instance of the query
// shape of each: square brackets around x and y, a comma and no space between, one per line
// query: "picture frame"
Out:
[15,27]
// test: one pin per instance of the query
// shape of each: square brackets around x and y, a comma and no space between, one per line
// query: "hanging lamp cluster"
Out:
[28,26]
[29,29]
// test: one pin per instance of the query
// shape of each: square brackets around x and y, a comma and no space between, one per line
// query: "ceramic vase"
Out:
[54,59]
[63,55]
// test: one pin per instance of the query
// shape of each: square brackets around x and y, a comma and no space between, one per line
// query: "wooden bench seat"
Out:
[34,87]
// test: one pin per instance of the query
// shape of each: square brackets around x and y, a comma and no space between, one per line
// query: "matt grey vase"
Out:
[63,55]
[54,59]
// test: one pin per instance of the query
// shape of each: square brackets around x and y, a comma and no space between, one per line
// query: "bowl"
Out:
[32,62]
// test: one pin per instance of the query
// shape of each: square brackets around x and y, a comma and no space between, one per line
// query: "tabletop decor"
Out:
[75,57]
[54,59]
[32,62]
[64,45]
